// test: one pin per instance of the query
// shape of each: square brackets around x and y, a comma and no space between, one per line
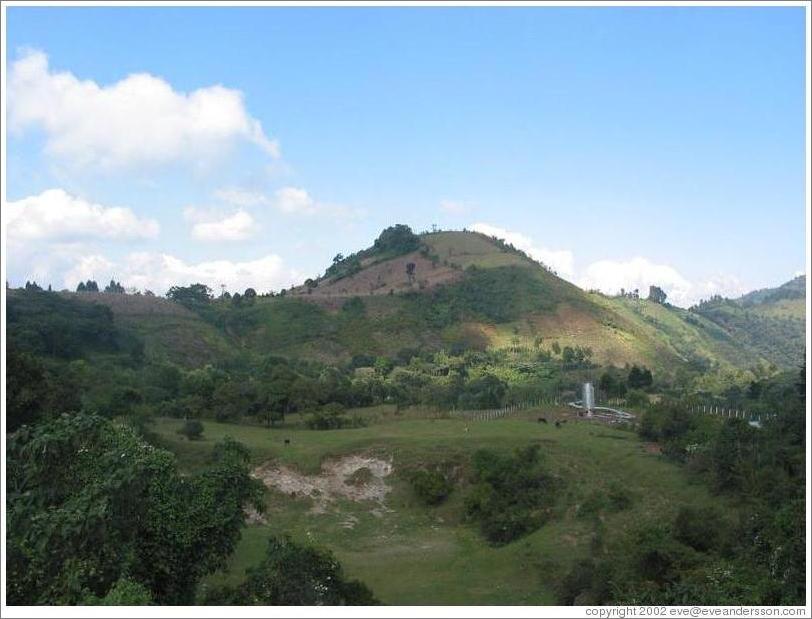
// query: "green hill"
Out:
[768,322]
[448,293]
[469,291]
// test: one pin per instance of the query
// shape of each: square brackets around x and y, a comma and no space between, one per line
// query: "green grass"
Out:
[412,554]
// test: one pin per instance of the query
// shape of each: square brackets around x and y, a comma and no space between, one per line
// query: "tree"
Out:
[249,296]
[81,287]
[397,239]
[32,287]
[192,429]
[639,378]
[89,503]
[292,574]
[487,391]
[114,287]
[656,295]
[190,296]
[91,286]
[410,268]
[34,393]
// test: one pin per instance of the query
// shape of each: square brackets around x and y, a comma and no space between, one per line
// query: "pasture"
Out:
[409,553]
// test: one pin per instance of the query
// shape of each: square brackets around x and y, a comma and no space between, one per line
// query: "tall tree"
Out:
[89,504]
[656,295]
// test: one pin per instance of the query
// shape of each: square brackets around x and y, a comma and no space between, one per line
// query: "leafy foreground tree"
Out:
[295,575]
[95,515]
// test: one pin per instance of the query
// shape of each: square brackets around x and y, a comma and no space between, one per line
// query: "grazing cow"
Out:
[557,424]
[542,420]
[287,441]
[466,429]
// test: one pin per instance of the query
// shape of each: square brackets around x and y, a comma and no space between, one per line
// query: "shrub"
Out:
[328,417]
[431,487]
[192,429]
[698,527]
[512,494]
[619,498]
[291,574]
[636,398]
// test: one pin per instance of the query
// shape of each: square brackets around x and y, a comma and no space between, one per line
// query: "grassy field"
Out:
[412,554]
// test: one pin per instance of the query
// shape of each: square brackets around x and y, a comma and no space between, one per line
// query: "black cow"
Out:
[542,420]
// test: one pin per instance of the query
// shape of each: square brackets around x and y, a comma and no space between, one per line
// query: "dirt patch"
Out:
[357,478]
[382,277]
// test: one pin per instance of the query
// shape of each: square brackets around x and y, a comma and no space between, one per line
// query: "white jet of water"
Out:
[588,400]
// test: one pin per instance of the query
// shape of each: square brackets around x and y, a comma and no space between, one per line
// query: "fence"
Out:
[729,413]
[699,409]
[488,414]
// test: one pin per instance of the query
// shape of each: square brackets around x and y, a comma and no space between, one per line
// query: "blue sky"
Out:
[624,146]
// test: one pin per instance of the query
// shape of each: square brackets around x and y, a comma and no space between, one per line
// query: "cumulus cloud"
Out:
[159,271]
[294,200]
[561,261]
[208,226]
[610,276]
[287,200]
[138,120]
[55,214]
[454,207]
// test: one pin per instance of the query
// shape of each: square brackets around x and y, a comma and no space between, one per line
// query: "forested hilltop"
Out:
[126,483]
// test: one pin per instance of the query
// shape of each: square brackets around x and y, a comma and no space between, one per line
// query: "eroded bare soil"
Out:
[353,477]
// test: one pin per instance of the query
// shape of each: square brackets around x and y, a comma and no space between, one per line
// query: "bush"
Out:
[192,429]
[512,494]
[636,398]
[329,417]
[291,574]
[698,527]
[431,487]
[618,497]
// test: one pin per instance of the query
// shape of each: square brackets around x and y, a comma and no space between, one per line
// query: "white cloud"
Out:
[609,276]
[287,200]
[728,286]
[55,214]
[138,120]
[561,261]
[241,197]
[159,271]
[298,201]
[235,227]
[294,200]
[454,207]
